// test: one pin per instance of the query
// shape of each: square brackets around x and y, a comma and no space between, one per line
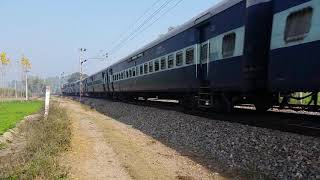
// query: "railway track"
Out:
[304,123]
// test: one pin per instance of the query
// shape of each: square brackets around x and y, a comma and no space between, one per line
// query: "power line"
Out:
[136,21]
[163,14]
[141,26]
[147,27]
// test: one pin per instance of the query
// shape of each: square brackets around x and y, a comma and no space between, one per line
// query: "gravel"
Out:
[232,149]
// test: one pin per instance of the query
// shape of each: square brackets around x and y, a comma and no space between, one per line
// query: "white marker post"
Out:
[47,102]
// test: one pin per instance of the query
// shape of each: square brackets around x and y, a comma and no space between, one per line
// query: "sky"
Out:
[50,33]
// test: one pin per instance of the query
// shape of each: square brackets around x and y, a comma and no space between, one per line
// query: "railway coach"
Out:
[204,58]
[239,51]
[295,47]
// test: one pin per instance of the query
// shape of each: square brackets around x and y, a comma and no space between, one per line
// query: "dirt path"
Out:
[103,148]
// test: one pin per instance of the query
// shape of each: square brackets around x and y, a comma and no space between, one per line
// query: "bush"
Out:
[46,138]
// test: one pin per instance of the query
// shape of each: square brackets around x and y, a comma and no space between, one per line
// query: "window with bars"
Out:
[151,66]
[298,25]
[163,63]
[170,61]
[190,56]
[179,59]
[156,65]
[228,45]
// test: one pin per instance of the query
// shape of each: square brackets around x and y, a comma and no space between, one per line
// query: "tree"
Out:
[76,77]
[5,61]
[36,85]
[26,65]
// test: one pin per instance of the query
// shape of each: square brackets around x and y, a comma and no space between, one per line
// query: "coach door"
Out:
[105,82]
[204,60]
[111,87]
[203,52]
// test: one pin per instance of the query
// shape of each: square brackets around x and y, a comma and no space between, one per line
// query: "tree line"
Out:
[24,65]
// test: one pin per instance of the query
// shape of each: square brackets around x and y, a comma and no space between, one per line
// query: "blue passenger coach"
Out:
[295,46]
[239,51]
[205,56]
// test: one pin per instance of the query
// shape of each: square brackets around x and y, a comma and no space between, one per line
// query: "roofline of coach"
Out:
[216,9]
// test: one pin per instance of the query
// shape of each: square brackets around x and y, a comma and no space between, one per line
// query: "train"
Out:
[258,52]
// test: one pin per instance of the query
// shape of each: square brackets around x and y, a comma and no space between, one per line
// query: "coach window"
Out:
[130,73]
[179,58]
[298,25]
[151,66]
[170,61]
[228,45]
[145,68]
[163,63]
[134,72]
[190,56]
[156,65]
[141,70]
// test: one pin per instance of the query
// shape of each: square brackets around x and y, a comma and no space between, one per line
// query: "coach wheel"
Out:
[262,104]
[222,104]
[188,102]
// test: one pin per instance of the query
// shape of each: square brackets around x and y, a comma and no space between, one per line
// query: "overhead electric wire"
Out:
[141,26]
[163,14]
[136,21]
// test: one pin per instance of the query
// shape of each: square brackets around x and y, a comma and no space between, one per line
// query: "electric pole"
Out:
[81,61]
[80,64]
[61,82]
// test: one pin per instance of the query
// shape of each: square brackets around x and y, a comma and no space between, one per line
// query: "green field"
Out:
[14,111]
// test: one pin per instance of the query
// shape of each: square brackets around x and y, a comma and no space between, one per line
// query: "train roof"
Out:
[216,9]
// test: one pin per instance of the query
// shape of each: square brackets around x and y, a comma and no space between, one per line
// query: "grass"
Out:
[14,111]
[304,101]
[45,140]
[3,146]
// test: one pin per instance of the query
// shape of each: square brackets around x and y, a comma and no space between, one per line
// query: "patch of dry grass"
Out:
[45,140]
